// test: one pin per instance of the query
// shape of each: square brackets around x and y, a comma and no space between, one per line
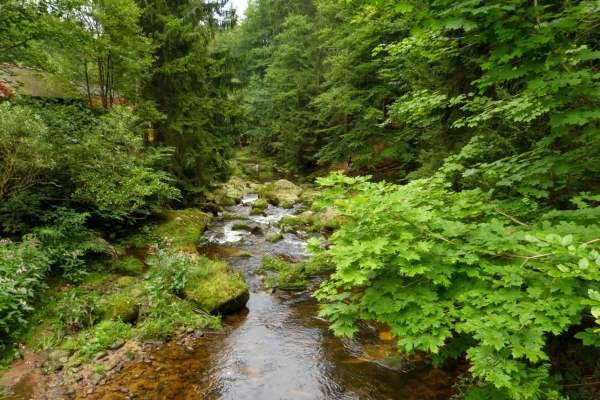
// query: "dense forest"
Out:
[463,136]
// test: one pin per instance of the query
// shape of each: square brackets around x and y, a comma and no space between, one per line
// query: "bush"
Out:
[22,268]
[76,309]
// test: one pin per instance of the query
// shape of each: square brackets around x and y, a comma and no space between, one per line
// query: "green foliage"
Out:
[22,269]
[77,309]
[103,335]
[169,270]
[433,263]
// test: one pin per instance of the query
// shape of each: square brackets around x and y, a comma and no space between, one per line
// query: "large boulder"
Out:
[183,227]
[281,191]
[212,289]
[124,308]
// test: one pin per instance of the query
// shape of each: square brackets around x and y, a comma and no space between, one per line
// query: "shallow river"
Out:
[277,347]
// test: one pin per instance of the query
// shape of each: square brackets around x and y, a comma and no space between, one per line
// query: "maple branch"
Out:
[592,241]
[516,221]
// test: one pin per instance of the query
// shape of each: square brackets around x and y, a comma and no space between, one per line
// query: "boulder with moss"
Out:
[330,218]
[212,289]
[275,238]
[123,308]
[260,204]
[233,216]
[183,227]
[281,191]
[258,211]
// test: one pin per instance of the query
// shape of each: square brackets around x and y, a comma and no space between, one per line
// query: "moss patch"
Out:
[123,308]
[275,238]
[128,266]
[258,211]
[213,290]
[184,227]
[233,216]
[260,204]
[241,226]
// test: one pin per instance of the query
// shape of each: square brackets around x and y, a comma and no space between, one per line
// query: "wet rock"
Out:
[98,356]
[257,231]
[117,344]
[124,308]
[128,356]
[395,363]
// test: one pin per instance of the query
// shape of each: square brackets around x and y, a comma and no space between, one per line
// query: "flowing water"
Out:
[277,347]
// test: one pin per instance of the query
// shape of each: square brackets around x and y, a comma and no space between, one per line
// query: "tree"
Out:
[190,86]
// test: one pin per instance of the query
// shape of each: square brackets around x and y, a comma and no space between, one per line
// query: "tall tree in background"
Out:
[190,85]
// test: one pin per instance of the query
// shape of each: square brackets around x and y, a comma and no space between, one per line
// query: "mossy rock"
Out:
[307,198]
[287,205]
[330,219]
[281,191]
[183,227]
[213,290]
[254,188]
[233,216]
[124,308]
[241,226]
[257,231]
[288,220]
[306,217]
[258,211]
[266,176]
[227,202]
[260,204]
[213,208]
[275,238]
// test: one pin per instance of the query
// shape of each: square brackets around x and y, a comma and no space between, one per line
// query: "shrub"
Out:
[22,268]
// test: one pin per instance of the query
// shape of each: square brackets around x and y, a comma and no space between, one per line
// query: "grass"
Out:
[99,338]
[128,266]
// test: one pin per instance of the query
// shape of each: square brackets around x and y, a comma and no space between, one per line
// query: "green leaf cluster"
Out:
[454,272]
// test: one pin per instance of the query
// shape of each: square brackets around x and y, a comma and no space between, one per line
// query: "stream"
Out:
[276,347]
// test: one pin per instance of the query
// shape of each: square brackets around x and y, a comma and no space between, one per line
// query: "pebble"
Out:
[124,390]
